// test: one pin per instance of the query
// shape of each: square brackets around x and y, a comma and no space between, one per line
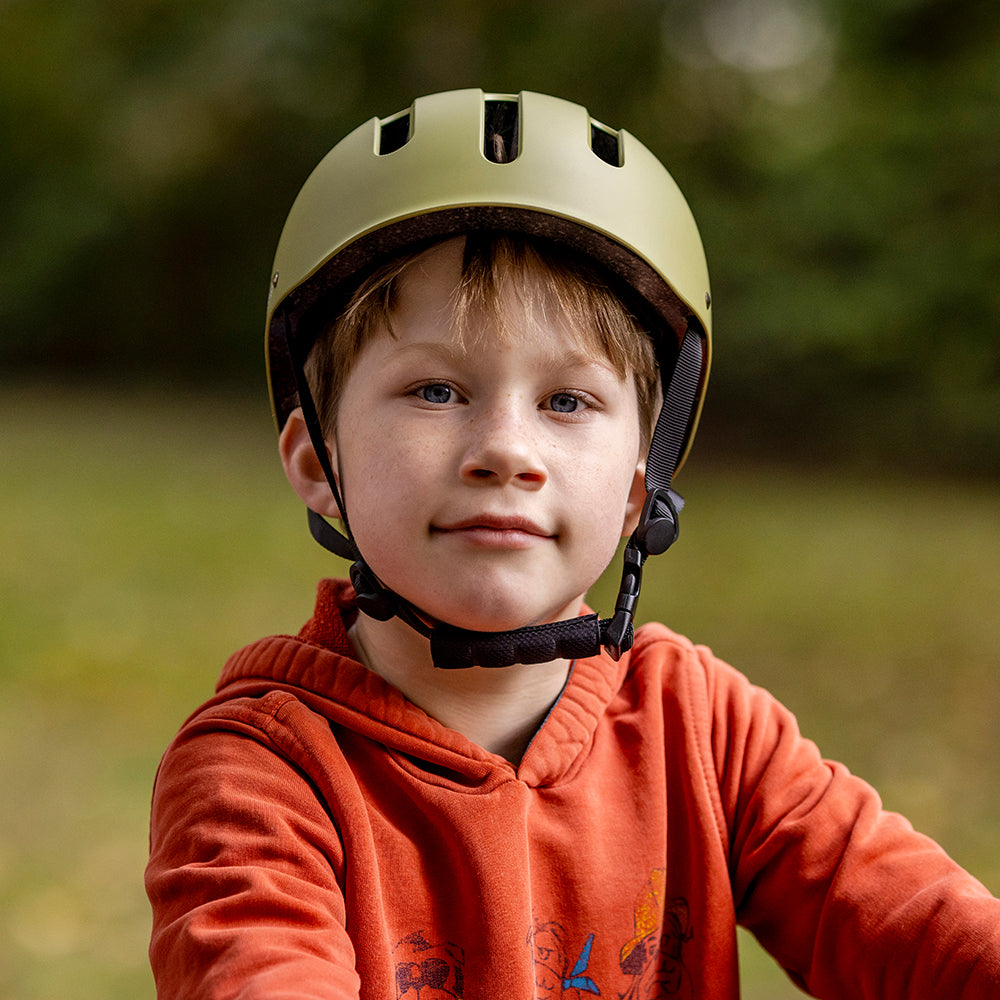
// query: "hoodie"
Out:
[316,835]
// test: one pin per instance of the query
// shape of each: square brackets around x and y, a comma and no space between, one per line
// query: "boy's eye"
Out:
[564,402]
[436,392]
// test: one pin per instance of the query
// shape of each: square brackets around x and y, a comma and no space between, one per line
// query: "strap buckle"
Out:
[659,524]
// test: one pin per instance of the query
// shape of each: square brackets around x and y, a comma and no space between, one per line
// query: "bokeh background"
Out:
[841,545]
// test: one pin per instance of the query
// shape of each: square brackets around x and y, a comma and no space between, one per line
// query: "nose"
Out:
[503,449]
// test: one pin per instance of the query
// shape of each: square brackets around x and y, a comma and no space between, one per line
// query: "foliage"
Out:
[843,159]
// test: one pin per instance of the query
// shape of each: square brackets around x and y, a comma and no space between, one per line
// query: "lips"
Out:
[496,531]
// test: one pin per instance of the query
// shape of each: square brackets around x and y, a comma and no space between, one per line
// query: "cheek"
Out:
[607,486]
[603,510]
[382,453]
[392,484]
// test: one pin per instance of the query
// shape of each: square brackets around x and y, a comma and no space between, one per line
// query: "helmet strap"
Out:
[322,531]
[658,525]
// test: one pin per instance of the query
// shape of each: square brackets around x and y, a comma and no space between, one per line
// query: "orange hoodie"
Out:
[316,835]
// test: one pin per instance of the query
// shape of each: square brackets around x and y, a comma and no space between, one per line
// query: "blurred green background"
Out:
[841,545]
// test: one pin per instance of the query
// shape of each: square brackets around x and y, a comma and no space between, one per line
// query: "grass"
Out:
[145,538]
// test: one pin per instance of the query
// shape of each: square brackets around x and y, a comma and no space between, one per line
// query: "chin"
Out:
[484,601]
[485,614]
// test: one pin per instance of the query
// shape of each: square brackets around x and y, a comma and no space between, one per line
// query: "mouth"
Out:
[495,531]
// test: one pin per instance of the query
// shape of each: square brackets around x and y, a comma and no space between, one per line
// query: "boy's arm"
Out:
[242,877]
[847,897]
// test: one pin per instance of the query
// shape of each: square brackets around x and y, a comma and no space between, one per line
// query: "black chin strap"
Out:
[458,648]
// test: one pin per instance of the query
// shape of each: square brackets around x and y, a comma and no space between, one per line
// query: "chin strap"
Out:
[457,648]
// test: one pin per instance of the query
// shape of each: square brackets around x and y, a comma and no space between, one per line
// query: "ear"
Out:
[636,498]
[302,467]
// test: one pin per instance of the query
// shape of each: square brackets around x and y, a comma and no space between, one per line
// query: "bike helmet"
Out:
[463,161]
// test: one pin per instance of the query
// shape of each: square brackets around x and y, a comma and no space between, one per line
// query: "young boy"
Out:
[456,781]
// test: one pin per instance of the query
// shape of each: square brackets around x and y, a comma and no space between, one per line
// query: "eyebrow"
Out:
[444,351]
[457,352]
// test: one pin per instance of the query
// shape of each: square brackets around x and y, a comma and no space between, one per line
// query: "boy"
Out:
[456,782]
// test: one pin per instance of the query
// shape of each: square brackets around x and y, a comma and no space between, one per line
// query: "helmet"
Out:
[463,161]
[432,171]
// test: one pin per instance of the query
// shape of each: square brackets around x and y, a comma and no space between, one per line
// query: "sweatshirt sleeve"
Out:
[245,870]
[847,897]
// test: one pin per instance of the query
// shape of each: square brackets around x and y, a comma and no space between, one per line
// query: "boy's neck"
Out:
[499,709]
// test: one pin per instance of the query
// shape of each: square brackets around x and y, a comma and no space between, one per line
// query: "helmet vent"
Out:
[604,142]
[394,134]
[500,131]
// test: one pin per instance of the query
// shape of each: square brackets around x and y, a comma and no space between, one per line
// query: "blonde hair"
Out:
[542,277]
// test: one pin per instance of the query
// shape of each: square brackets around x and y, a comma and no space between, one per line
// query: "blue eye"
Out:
[436,392]
[564,402]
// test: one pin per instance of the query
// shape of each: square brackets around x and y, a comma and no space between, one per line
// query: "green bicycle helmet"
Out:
[465,161]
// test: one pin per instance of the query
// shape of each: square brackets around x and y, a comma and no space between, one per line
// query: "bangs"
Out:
[516,283]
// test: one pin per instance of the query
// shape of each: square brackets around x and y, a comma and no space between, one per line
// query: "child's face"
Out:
[488,486]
